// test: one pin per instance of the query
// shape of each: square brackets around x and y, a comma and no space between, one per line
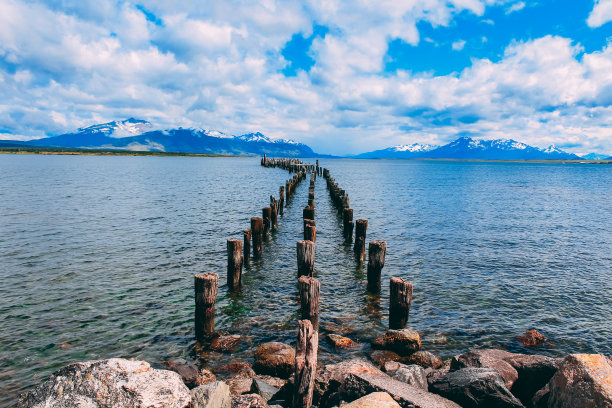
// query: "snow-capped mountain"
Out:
[400,151]
[595,156]
[136,135]
[468,148]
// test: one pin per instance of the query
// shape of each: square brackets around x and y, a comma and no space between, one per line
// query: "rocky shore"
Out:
[398,374]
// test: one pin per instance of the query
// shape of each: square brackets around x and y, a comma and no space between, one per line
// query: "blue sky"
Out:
[341,76]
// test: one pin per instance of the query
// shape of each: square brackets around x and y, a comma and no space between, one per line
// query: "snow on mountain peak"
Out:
[118,129]
[415,147]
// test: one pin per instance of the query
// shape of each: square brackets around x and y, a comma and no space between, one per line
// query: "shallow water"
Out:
[97,256]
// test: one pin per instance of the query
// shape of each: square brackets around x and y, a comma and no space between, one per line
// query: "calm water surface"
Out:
[97,256]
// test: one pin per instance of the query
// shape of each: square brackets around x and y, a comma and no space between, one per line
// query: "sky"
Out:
[343,77]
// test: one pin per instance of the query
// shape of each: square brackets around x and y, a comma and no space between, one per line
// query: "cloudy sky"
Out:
[341,76]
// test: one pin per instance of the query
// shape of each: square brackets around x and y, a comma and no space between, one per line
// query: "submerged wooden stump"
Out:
[257,236]
[234,263]
[267,217]
[246,247]
[309,288]
[399,303]
[305,258]
[305,364]
[360,236]
[206,288]
[376,261]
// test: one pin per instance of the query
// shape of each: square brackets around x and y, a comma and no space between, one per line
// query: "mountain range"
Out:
[138,135]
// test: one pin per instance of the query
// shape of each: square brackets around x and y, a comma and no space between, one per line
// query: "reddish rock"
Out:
[391,367]
[340,342]
[534,372]
[241,382]
[190,374]
[402,342]
[232,368]
[424,359]
[582,380]
[490,358]
[225,343]
[381,357]
[276,359]
[533,338]
[375,399]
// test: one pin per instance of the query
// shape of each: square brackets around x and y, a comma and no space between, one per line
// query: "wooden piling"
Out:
[399,303]
[308,213]
[246,247]
[309,288]
[310,231]
[305,364]
[206,288]
[347,221]
[305,258]
[376,261]
[267,216]
[234,263]
[281,199]
[273,213]
[360,238]
[257,236]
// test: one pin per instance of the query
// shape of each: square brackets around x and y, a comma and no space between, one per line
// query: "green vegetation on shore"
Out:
[96,152]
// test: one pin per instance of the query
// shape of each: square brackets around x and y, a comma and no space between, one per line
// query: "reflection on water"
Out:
[98,256]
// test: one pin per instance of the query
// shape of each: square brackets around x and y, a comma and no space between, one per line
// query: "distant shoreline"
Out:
[111,152]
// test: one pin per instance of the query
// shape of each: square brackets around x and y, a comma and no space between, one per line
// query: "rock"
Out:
[212,395]
[534,372]
[433,375]
[277,359]
[424,359]
[490,358]
[402,342]
[329,382]
[241,382]
[412,374]
[361,384]
[532,338]
[540,398]
[374,400]
[191,376]
[390,367]
[340,342]
[248,401]
[232,368]
[380,357]
[226,343]
[272,381]
[475,387]
[109,383]
[582,380]
[263,389]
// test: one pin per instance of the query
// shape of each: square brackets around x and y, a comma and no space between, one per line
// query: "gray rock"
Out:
[582,380]
[402,342]
[490,358]
[329,382]
[109,383]
[413,375]
[248,401]
[212,395]
[433,375]
[359,384]
[262,388]
[475,387]
[534,372]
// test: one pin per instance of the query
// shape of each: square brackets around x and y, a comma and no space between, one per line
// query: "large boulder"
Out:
[534,372]
[490,358]
[109,383]
[376,399]
[360,384]
[276,359]
[402,342]
[381,357]
[424,359]
[248,401]
[582,380]
[241,382]
[475,387]
[412,374]
[190,374]
[212,395]
[329,382]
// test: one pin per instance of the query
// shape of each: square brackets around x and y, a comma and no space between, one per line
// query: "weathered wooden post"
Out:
[376,261]
[347,221]
[234,263]
[246,247]
[206,287]
[281,199]
[273,214]
[310,230]
[305,258]
[257,236]
[266,215]
[305,364]
[399,303]
[308,213]
[310,289]
[360,238]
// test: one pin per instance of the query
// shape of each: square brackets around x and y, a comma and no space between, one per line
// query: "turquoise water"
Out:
[97,256]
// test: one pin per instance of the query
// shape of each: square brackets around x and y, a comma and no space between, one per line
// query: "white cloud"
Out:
[601,13]
[216,65]
[515,7]
[458,45]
